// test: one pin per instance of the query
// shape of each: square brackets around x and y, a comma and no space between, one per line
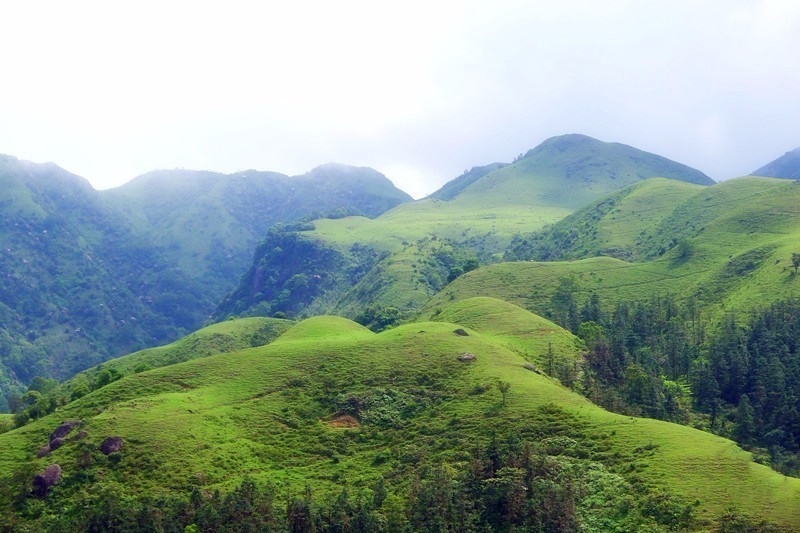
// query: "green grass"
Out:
[740,236]
[521,331]
[226,336]
[266,413]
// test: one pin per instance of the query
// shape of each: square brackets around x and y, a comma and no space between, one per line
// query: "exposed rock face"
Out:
[466,356]
[461,332]
[44,450]
[56,443]
[111,445]
[64,429]
[42,483]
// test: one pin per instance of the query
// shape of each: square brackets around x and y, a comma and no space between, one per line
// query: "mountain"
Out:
[209,223]
[434,423]
[726,247]
[79,285]
[88,275]
[399,259]
[786,166]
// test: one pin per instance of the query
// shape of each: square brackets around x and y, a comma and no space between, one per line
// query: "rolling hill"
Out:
[478,214]
[88,275]
[330,408]
[727,247]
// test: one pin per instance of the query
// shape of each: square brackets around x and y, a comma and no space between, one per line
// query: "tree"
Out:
[795,262]
[745,423]
[503,387]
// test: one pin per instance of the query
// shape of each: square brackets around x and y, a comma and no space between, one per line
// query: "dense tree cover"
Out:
[507,485]
[658,358]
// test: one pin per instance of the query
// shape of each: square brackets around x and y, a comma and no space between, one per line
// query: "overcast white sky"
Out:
[419,90]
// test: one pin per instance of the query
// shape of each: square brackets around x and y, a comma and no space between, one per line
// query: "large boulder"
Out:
[64,429]
[42,483]
[111,445]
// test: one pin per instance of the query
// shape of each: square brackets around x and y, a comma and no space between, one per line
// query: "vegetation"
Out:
[332,406]
[89,275]
[450,403]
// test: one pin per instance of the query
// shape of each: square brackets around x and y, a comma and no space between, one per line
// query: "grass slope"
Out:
[739,236]
[480,212]
[223,337]
[612,226]
[270,412]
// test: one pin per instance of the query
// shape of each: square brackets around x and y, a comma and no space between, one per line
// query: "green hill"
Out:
[478,214]
[786,166]
[331,406]
[727,247]
[93,274]
[612,226]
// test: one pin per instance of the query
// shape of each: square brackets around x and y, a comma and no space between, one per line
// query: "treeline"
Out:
[508,485]
[659,358]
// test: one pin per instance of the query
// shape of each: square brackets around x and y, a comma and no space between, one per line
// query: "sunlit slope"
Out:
[270,413]
[227,336]
[480,212]
[560,175]
[614,225]
[728,246]
[537,339]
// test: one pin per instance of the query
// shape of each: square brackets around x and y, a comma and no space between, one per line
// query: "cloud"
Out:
[419,90]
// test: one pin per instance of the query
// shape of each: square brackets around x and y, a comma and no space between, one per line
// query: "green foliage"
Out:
[378,318]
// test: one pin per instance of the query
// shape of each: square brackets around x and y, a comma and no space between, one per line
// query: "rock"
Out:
[111,445]
[466,356]
[461,332]
[42,483]
[81,435]
[45,450]
[64,429]
[56,443]
[530,367]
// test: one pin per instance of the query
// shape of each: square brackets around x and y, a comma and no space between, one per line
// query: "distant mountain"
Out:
[79,285]
[786,166]
[209,223]
[572,170]
[87,275]
[388,261]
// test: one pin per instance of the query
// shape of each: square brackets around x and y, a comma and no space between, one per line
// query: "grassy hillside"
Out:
[223,337]
[727,246]
[88,275]
[612,226]
[330,404]
[479,213]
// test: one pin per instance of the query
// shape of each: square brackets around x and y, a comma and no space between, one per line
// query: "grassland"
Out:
[739,237]
[223,337]
[273,413]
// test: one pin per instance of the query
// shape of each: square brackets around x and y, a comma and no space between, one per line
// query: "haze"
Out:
[418,90]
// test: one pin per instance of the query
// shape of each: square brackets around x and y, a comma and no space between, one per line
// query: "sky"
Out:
[419,90]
